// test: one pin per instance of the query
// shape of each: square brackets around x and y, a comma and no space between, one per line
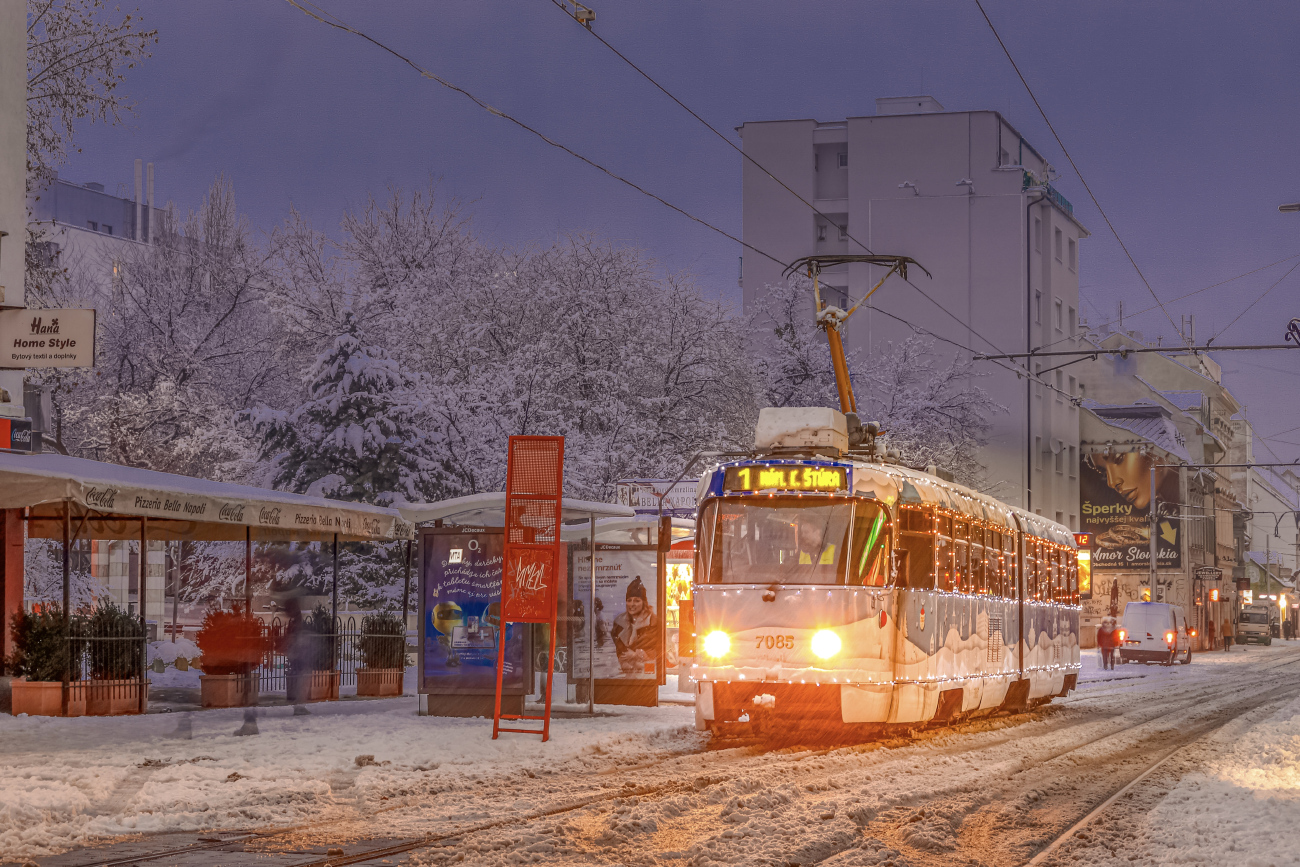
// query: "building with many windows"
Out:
[967,197]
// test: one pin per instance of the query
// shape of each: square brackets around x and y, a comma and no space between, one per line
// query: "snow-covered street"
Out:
[639,785]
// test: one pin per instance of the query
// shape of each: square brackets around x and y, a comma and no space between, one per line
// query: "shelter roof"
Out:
[108,500]
[489,510]
[641,530]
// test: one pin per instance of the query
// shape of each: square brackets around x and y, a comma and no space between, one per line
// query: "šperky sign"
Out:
[529,581]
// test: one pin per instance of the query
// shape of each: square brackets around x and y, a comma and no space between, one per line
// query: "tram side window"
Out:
[945,576]
[961,556]
[915,551]
[1031,568]
[1010,564]
[993,539]
[869,566]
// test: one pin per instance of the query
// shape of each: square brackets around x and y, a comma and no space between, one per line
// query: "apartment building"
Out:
[966,196]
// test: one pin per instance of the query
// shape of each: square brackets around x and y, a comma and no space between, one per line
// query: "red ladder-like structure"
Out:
[530,573]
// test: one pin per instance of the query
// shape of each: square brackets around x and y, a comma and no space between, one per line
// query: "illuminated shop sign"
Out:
[786,477]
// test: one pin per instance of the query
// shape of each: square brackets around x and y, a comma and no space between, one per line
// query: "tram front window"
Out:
[796,541]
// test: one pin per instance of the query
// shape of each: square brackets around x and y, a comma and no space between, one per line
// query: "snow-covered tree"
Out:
[355,436]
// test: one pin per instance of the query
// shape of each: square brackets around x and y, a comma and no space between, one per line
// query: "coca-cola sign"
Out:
[268,515]
[101,498]
[231,512]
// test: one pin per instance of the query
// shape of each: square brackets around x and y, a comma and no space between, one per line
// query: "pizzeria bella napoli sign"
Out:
[47,338]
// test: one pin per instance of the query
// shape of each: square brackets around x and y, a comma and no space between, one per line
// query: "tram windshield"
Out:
[789,540]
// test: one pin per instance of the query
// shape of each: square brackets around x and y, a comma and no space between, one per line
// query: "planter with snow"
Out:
[313,686]
[228,690]
[45,698]
[379,681]
[115,697]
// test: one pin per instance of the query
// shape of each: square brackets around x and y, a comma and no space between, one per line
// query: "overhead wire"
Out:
[329,19]
[748,157]
[1257,300]
[1074,166]
[332,20]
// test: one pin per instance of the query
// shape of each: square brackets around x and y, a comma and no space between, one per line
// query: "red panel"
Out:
[529,585]
[534,487]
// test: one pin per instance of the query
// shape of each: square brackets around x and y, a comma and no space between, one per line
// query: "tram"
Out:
[835,584]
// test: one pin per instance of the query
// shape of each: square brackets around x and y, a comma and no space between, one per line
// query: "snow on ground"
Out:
[64,782]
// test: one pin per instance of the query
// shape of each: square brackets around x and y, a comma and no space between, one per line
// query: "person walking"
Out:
[1226,632]
[1209,634]
[1106,641]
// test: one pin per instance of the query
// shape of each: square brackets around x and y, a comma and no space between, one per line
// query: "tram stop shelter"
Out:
[67,499]
[460,543]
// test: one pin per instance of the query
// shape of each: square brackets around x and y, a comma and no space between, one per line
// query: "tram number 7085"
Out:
[774,642]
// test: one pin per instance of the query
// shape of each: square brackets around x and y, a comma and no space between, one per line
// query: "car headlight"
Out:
[717,643]
[825,644]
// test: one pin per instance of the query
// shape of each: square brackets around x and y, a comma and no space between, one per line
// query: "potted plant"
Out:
[310,645]
[112,644]
[383,654]
[232,644]
[40,653]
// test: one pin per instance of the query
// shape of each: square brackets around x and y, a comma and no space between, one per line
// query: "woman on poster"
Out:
[636,633]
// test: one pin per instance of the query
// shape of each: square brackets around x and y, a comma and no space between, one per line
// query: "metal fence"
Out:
[106,656]
[346,649]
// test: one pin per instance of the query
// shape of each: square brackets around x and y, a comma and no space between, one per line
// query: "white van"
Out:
[1253,624]
[1155,632]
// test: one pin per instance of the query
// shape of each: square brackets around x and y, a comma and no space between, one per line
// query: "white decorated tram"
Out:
[855,590]
[834,584]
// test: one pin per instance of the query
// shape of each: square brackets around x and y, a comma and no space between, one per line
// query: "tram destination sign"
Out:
[786,477]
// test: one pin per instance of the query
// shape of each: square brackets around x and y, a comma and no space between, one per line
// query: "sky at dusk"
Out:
[1183,117]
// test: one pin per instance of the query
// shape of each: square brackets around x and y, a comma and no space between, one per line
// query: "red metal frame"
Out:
[530,571]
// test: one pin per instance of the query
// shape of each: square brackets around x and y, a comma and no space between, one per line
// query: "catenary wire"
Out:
[1177,298]
[333,21]
[1083,181]
[1257,300]
[559,5]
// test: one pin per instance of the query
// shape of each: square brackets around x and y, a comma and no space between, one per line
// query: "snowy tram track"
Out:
[988,791]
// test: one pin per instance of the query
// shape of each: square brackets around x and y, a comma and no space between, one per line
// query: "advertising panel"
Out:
[1115,508]
[642,495]
[47,338]
[627,627]
[460,578]
[1084,543]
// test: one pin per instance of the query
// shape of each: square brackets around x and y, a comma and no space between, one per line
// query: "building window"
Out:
[1060,517]
[1074,469]
[817,162]
[1038,307]
[844,232]
[1056,315]
[821,232]
[1038,453]
[1058,238]
[1004,158]
[843,159]
[1072,381]
[1038,234]
[1060,385]
[1073,525]
[108,230]
[1059,460]
[94,227]
[1074,255]
[1074,322]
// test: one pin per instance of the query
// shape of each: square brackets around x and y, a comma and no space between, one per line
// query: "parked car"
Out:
[1254,624]
[1155,632]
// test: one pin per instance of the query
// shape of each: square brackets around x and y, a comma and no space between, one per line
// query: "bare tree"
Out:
[75,62]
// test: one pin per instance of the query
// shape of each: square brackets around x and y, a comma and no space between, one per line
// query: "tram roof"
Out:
[895,484]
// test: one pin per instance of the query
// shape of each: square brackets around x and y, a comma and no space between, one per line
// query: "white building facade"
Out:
[966,196]
[13,180]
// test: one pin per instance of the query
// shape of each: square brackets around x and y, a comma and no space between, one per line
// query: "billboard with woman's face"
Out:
[1115,495]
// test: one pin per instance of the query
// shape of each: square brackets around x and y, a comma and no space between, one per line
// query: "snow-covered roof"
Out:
[489,510]
[1150,422]
[641,530]
[108,500]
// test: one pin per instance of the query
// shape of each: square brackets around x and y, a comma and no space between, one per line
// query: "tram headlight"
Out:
[717,643]
[825,644]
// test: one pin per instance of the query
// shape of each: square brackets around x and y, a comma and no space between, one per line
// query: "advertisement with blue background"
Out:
[460,572]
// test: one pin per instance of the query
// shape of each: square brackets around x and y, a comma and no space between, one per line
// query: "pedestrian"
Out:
[1226,632]
[1209,634]
[1106,641]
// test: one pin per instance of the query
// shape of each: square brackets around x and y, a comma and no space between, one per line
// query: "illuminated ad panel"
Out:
[786,477]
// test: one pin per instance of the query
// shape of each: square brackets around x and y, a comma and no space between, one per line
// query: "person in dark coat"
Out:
[1209,634]
[1107,639]
[1227,633]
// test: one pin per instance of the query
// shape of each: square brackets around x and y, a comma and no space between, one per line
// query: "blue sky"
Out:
[1184,117]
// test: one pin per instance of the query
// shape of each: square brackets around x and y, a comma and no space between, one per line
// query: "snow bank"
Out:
[64,782]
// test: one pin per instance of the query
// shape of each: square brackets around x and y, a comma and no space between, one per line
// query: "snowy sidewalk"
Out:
[64,782]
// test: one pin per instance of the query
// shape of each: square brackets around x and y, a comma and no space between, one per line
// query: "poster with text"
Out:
[627,628]
[1115,507]
[461,581]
